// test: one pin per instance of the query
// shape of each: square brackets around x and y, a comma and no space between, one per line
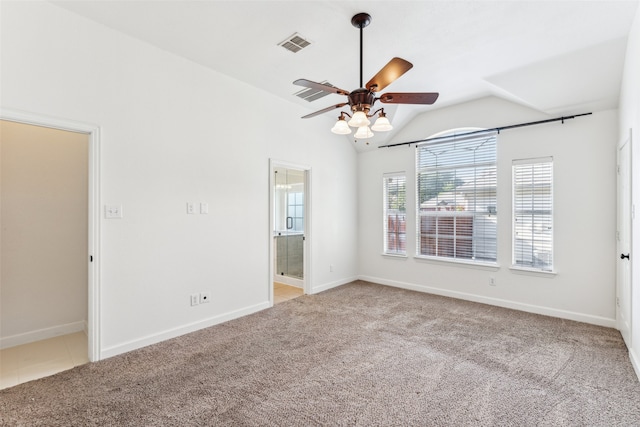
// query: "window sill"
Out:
[394,255]
[471,264]
[533,271]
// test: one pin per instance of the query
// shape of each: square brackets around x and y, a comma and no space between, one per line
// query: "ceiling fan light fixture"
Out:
[382,124]
[363,133]
[359,119]
[361,101]
[341,127]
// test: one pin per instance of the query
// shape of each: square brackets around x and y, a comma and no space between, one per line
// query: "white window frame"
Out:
[477,212]
[538,233]
[386,211]
[295,209]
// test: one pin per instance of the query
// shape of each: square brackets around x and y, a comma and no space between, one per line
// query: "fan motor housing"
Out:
[361,97]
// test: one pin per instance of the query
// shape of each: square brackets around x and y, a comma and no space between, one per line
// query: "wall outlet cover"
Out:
[113,211]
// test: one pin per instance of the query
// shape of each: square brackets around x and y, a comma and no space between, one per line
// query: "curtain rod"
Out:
[498,129]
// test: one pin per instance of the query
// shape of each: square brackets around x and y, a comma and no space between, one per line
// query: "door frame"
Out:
[627,335]
[94,197]
[306,265]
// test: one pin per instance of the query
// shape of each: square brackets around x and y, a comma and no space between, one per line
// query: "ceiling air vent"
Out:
[294,43]
[313,94]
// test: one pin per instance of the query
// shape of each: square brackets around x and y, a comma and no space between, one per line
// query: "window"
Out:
[295,211]
[395,214]
[456,209]
[533,214]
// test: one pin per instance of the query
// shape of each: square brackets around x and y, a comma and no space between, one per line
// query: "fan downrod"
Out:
[361,20]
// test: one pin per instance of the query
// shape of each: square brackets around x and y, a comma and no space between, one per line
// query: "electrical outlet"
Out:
[191,208]
[205,297]
[492,281]
[113,211]
[195,299]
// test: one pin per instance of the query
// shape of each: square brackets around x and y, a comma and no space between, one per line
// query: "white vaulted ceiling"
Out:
[559,57]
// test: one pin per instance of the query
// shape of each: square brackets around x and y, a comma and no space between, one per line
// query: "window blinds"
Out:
[395,214]
[457,215]
[533,213]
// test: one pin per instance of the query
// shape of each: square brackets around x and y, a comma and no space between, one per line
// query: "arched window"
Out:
[456,184]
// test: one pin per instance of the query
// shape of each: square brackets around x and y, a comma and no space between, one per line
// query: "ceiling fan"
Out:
[362,100]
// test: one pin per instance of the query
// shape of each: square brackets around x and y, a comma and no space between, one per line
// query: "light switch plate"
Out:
[204,207]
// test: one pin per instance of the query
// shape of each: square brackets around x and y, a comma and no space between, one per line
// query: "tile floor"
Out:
[282,292]
[42,358]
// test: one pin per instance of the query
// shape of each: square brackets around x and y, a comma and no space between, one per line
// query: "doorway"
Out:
[88,254]
[288,230]
[624,233]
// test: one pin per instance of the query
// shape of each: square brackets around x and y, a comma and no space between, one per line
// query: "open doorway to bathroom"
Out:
[289,237]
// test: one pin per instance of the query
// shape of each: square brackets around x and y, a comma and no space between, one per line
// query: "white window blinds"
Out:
[395,213]
[456,209]
[533,213]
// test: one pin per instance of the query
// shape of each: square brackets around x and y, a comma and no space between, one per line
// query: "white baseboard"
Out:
[182,330]
[331,285]
[192,327]
[43,334]
[289,281]
[635,362]
[529,308]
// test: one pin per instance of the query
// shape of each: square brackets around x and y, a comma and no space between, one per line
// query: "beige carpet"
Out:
[360,354]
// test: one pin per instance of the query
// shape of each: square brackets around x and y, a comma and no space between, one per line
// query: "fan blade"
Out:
[409,98]
[324,110]
[320,86]
[388,74]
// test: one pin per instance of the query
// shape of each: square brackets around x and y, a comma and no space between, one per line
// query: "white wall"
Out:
[43,285]
[584,152]
[159,149]
[630,119]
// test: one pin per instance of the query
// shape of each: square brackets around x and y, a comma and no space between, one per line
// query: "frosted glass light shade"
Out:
[341,127]
[382,125]
[363,133]
[359,119]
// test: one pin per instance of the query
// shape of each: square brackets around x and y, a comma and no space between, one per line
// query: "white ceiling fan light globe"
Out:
[341,127]
[363,133]
[382,124]
[359,119]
